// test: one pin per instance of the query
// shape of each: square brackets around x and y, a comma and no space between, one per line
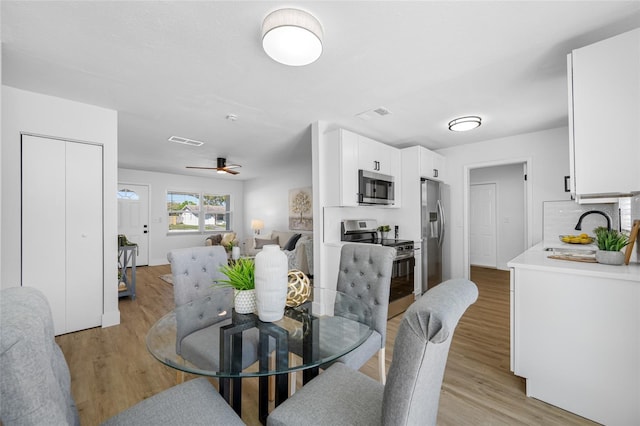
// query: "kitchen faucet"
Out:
[606,216]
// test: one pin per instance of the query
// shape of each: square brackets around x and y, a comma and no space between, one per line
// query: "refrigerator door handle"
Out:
[441,222]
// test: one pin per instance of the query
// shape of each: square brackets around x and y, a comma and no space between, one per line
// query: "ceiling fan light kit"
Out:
[463,124]
[292,37]
[221,167]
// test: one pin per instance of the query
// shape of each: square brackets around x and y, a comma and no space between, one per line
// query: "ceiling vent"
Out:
[374,113]
[185,141]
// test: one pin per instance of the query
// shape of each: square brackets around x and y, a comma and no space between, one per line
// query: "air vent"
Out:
[185,141]
[374,113]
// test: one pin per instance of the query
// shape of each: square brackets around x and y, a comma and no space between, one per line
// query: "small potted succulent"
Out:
[241,277]
[384,230]
[610,242]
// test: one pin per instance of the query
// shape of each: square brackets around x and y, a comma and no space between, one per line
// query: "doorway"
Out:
[133,218]
[512,207]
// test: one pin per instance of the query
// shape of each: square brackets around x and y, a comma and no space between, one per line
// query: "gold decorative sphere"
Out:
[298,289]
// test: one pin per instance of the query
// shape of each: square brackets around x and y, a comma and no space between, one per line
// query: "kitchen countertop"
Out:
[537,258]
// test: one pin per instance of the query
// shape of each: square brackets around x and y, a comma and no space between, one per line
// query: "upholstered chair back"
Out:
[34,377]
[195,271]
[365,273]
[420,351]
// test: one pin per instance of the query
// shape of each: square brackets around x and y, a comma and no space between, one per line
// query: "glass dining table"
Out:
[204,337]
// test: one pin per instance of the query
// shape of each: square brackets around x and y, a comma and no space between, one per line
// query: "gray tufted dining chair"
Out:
[194,272]
[365,273]
[411,395]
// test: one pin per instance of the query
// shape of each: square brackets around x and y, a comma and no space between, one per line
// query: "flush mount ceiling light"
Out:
[463,124]
[292,37]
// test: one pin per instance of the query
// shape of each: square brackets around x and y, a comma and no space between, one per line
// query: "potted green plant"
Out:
[384,230]
[241,277]
[610,242]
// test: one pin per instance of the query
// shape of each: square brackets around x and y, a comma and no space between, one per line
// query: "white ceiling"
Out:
[179,68]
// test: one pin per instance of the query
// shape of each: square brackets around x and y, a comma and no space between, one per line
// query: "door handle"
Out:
[441,222]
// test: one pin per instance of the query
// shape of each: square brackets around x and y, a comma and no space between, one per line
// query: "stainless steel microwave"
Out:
[375,188]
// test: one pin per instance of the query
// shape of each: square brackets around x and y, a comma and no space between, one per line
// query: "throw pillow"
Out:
[215,239]
[261,242]
[291,244]
[228,238]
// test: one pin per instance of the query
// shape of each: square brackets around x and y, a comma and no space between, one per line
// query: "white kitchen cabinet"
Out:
[343,154]
[432,165]
[604,106]
[575,335]
[62,239]
[377,157]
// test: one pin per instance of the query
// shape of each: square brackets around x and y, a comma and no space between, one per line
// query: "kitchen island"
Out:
[575,335]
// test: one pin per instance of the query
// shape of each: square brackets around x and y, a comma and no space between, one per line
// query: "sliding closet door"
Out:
[62,228]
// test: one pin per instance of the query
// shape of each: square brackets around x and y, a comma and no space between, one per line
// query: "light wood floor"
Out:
[112,370]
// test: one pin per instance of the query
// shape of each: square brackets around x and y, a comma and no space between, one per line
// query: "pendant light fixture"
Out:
[464,124]
[292,37]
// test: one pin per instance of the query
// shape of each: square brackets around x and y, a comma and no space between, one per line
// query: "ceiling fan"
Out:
[222,167]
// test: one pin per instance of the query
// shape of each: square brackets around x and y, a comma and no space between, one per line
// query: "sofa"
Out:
[296,245]
[35,384]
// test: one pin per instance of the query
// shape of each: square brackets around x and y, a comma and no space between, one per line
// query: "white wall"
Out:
[510,212]
[30,112]
[160,243]
[267,197]
[548,152]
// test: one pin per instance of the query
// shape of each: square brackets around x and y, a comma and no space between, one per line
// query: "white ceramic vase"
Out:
[235,253]
[271,283]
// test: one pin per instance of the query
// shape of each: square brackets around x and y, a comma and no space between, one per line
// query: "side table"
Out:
[127,258]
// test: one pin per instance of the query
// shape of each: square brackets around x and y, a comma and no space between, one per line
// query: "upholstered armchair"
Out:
[35,385]
[411,395]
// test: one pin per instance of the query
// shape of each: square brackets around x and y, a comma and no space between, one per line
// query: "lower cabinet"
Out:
[62,228]
[576,340]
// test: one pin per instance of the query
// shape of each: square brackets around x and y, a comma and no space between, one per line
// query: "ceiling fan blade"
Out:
[231,172]
[232,166]
[205,168]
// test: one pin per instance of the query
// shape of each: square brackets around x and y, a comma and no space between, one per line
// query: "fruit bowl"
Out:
[576,239]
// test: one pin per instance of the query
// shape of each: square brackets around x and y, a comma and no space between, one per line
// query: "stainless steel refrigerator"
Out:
[433,227]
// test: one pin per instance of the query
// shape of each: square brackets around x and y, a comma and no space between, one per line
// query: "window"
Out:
[128,194]
[198,212]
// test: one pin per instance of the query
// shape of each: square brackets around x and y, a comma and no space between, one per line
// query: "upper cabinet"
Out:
[432,165]
[377,157]
[604,111]
[344,154]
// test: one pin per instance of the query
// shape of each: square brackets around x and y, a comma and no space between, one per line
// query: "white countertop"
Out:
[537,258]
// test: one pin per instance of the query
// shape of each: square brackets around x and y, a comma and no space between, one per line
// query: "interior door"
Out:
[483,241]
[133,218]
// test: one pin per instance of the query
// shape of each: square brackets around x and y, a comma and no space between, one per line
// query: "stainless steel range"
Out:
[402,278]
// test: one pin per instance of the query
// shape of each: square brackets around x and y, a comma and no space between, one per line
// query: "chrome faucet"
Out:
[606,216]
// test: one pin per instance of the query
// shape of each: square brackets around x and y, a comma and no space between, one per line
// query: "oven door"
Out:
[401,293]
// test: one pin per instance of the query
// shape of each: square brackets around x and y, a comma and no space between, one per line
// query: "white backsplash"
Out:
[561,217]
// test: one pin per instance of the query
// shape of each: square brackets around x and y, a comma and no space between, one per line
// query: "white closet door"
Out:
[84,236]
[62,229]
[43,223]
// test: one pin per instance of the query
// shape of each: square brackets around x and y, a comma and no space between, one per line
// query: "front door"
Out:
[133,218]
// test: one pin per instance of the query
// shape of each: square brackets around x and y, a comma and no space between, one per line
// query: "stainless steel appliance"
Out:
[401,293]
[375,188]
[433,228]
